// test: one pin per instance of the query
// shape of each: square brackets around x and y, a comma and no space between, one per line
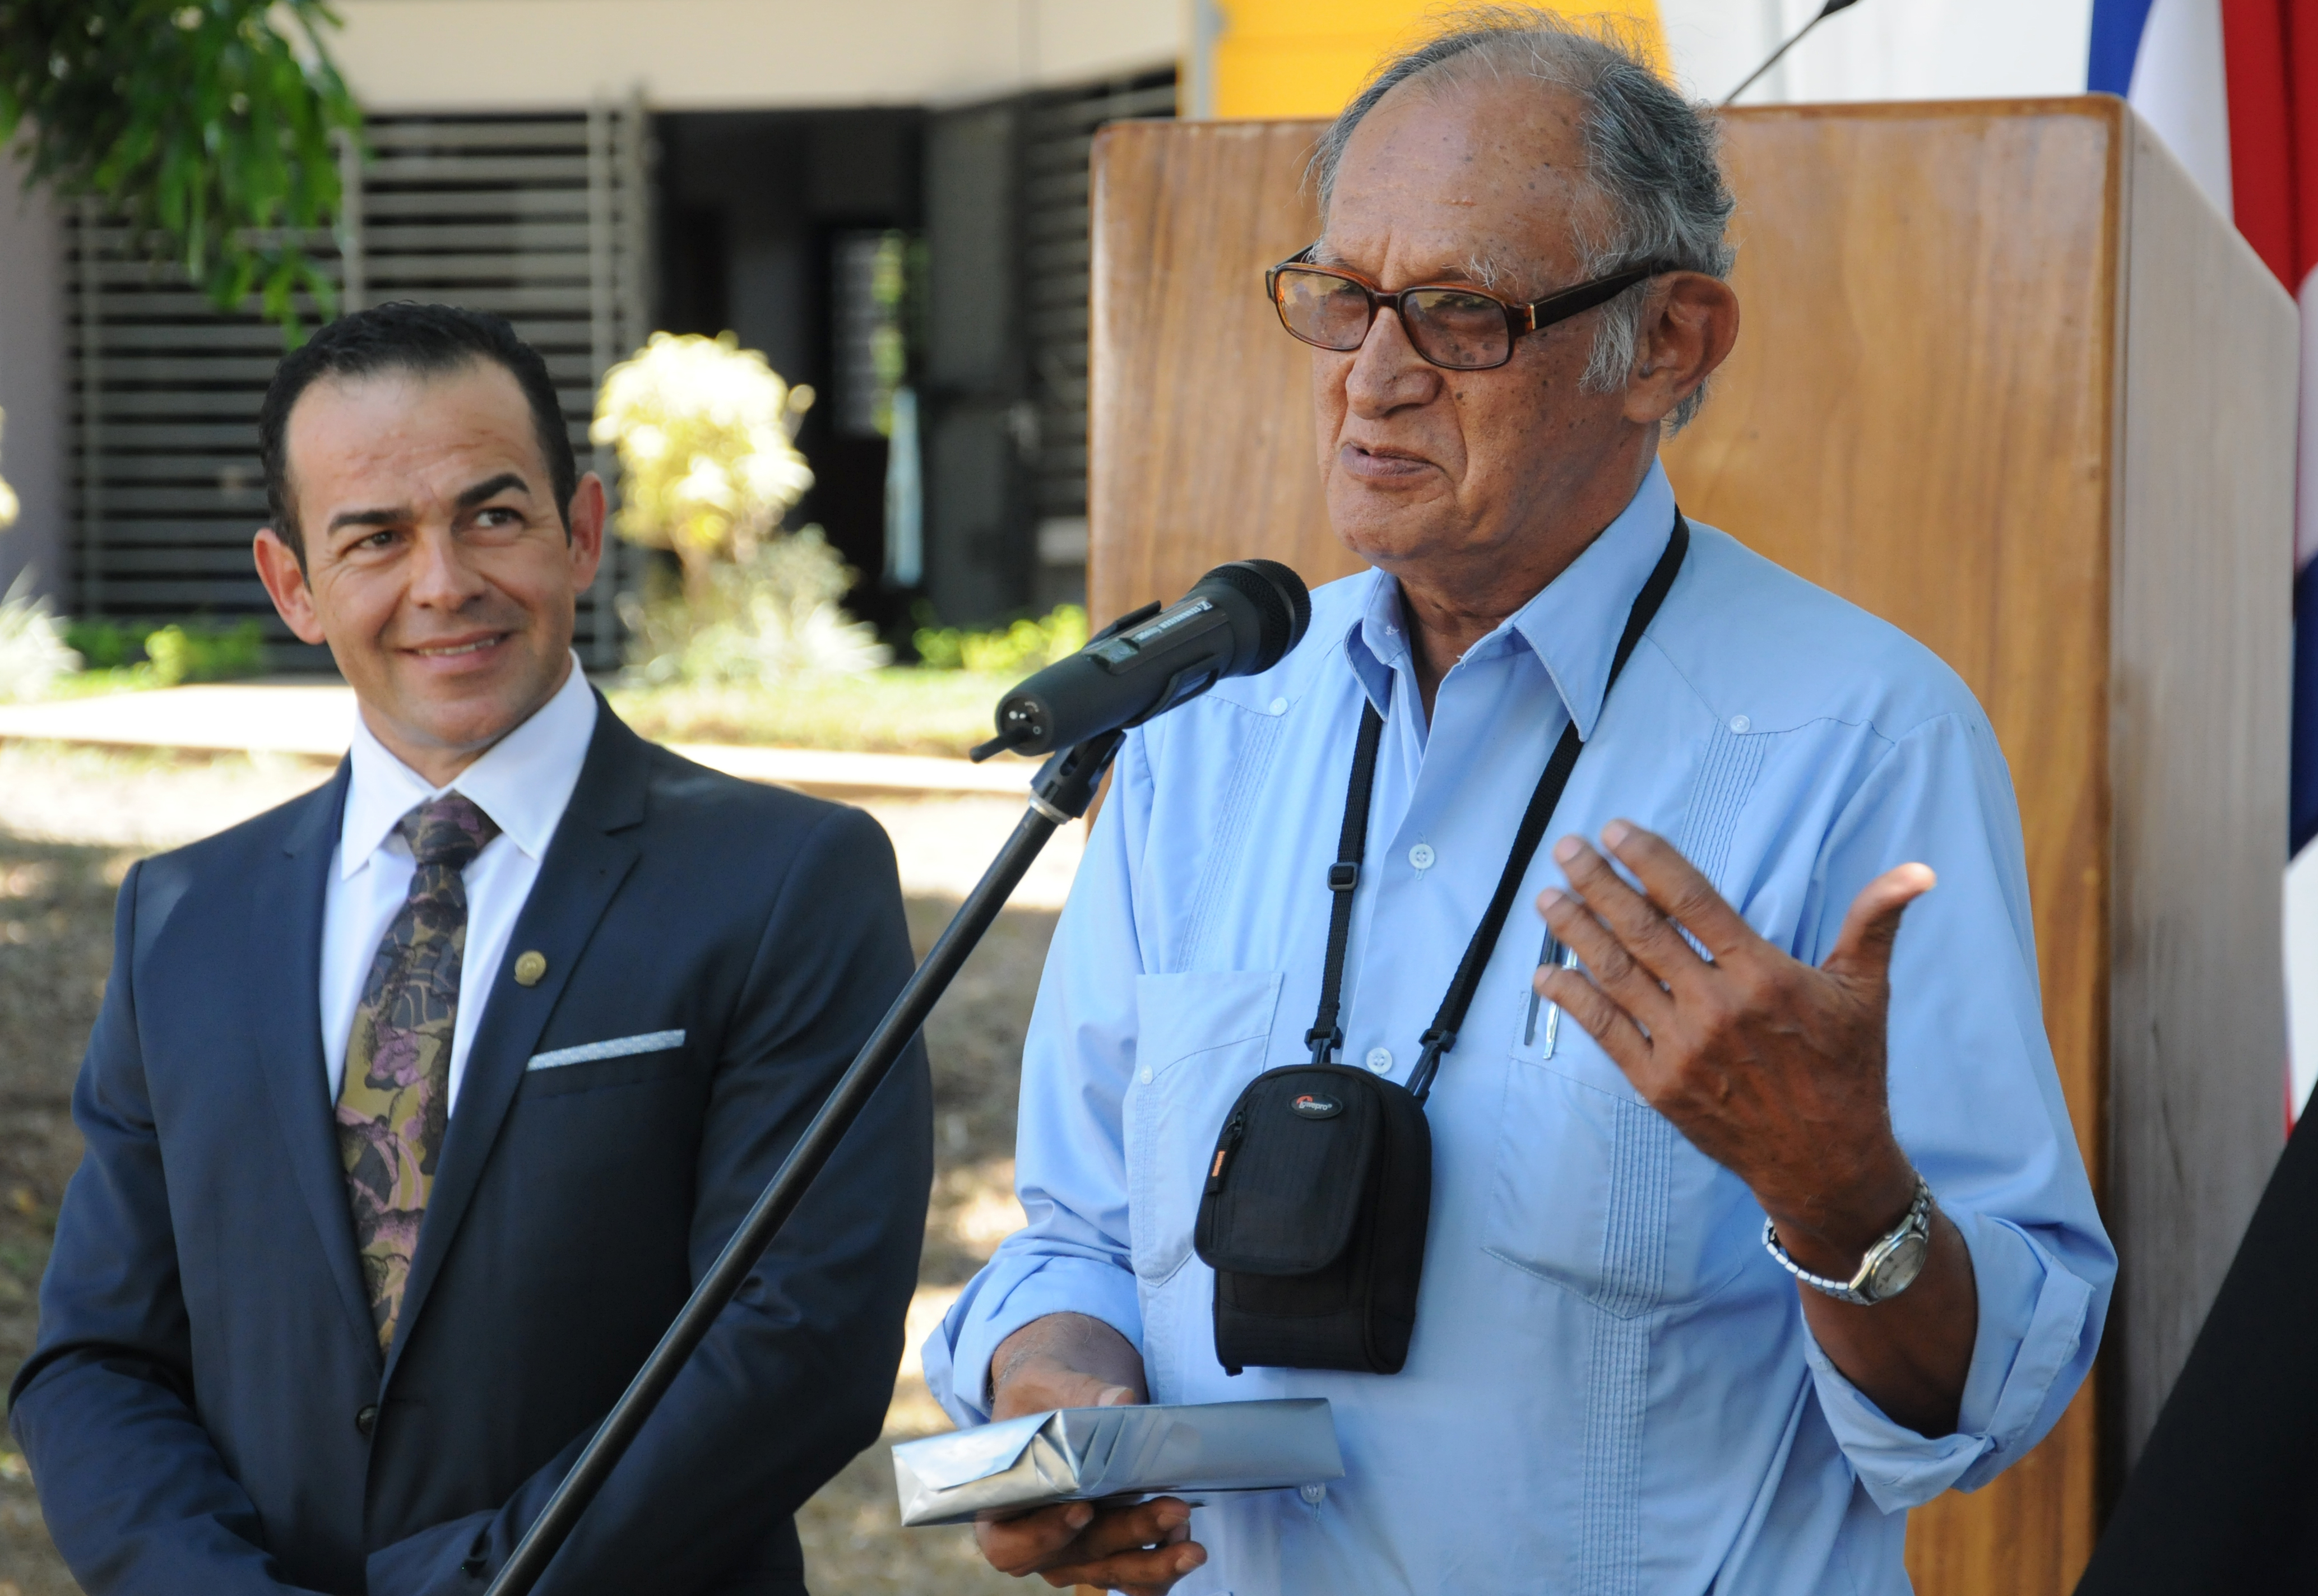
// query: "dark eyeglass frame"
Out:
[1521,317]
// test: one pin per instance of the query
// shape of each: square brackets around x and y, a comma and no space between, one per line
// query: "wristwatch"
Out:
[1891,1266]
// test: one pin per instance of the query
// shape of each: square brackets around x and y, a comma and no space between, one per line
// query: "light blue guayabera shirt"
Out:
[1612,1388]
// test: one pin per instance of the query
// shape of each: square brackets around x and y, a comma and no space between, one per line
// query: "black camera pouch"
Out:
[1320,1185]
[1313,1218]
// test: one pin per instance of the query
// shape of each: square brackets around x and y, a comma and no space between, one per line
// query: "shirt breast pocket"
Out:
[1597,1191]
[1200,1038]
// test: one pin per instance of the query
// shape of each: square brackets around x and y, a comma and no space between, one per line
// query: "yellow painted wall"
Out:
[1307,58]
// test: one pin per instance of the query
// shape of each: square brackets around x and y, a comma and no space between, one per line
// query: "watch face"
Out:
[1897,1270]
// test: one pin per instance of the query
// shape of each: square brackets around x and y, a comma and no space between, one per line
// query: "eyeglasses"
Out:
[1457,327]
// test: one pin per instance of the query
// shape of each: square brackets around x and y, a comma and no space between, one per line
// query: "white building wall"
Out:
[1881,49]
[726,55]
[31,381]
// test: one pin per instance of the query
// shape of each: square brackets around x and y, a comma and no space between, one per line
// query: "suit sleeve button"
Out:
[367,1419]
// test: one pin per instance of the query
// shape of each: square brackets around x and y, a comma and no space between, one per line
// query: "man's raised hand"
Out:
[1770,1068]
[1775,1071]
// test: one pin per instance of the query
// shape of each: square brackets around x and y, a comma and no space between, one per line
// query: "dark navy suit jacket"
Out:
[207,1409]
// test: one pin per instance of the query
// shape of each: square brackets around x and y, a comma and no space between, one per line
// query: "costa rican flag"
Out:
[2231,86]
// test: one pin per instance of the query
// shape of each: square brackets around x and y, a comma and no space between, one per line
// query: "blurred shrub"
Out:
[32,651]
[775,615]
[1025,646]
[164,655]
[706,467]
[206,654]
[7,494]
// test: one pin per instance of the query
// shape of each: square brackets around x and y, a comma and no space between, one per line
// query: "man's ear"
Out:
[285,576]
[1686,332]
[584,527]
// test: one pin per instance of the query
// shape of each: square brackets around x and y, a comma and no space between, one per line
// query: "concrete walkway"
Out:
[67,774]
[316,719]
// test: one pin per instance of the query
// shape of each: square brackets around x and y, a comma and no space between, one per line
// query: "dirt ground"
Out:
[73,820]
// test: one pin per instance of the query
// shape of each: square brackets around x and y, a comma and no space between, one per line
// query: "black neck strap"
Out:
[1326,1035]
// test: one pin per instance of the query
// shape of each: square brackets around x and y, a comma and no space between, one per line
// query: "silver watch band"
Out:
[1917,1227]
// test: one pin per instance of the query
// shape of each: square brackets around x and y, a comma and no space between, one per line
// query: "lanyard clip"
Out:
[1428,1063]
[1343,876]
[1324,1043]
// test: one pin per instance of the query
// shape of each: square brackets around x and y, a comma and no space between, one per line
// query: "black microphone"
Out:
[1239,619]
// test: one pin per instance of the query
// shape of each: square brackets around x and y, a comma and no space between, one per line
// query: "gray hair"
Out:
[1652,156]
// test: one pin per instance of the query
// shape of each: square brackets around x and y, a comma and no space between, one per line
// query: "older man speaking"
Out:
[1753,1220]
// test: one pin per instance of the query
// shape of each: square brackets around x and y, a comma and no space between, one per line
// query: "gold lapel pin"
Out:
[529,967]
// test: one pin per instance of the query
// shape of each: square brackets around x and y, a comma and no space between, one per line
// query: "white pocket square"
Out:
[618,1047]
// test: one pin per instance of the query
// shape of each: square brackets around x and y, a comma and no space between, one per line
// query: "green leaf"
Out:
[210,131]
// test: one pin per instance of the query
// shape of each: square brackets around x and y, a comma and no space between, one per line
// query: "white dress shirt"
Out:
[522,782]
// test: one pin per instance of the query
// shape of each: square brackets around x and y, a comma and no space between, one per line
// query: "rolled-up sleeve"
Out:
[2035,1318]
[1977,1103]
[1073,1256]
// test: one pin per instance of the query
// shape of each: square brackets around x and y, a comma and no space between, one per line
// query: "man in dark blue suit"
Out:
[417,1106]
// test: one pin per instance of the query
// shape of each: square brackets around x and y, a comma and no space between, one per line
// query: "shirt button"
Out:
[1739,723]
[1422,855]
[1279,706]
[1381,1060]
[1313,1495]
[366,1419]
[1146,1076]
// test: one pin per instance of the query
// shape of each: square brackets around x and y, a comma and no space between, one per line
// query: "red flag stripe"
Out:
[2266,157]
[2301,75]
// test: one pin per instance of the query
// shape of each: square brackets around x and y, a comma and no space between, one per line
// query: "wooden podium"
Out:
[2007,380]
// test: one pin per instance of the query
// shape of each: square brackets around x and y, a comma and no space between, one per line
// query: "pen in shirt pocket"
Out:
[1552,953]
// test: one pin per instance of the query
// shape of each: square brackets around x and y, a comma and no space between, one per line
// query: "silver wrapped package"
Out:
[1088,1453]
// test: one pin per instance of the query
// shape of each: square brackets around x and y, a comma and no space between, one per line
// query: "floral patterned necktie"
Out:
[395,1101]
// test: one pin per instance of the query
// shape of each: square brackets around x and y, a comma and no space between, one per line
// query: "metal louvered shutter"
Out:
[1058,139]
[542,219]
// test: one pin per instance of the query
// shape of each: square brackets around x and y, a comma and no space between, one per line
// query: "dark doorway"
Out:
[1005,365]
[758,210]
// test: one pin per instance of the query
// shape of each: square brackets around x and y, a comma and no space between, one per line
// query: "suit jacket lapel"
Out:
[285,920]
[583,869]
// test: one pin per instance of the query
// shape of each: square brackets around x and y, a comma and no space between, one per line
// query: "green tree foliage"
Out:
[206,125]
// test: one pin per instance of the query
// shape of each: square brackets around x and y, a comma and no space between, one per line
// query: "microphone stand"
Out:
[1825,12]
[1061,791]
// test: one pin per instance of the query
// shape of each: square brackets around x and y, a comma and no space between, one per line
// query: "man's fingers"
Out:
[1040,1381]
[1130,1529]
[1680,889]
[1654,946]
[1075,1534]
[1025,1543]
[1063,1360]
[1143,1549]
[1603,1020]
[1862,949]
[1611,968]
[1134,1571]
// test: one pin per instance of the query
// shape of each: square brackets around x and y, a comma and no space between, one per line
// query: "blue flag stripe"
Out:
[2117,26]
